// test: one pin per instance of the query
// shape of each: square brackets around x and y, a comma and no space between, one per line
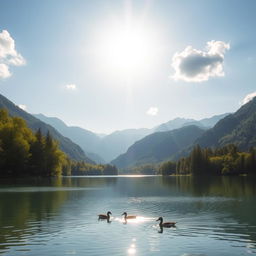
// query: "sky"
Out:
[113,65]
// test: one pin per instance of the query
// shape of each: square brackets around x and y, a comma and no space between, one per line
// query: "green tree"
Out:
[167,168]
[251,162]
[15,139]
[110,170]
[37,160]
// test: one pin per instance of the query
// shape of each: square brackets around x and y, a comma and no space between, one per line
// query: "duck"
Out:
[129,216]
[104,216]
[165,224]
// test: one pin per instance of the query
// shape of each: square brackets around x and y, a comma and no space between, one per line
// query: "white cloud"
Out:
[71,86]
[23,107]
[192,65]
[8,54]
[152,111]
[4,71]
[248,98]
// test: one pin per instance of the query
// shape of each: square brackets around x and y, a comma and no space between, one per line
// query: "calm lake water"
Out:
[59,216]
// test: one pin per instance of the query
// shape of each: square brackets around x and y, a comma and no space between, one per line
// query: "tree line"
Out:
[82,168]
[25,153]
[227,160]
[144,169]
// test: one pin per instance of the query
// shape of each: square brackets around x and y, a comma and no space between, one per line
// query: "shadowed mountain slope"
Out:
[158,146]
[66,145]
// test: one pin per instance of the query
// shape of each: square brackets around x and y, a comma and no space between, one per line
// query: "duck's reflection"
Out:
[161,230]
[108,220]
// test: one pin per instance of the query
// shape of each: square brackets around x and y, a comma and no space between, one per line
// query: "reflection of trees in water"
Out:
[240,190]
[22,210]
[89,182]
[227,186]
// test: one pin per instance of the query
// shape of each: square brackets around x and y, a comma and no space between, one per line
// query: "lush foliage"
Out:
[24,153]
[144,169]
[167,168]
[82,168]
[221,161]
[71,149]
[237,128]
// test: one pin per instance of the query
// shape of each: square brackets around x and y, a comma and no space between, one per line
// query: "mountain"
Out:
[99,148]
[66,145]
[173,124]
[158,146]
[181,122]
[210,122]
[104,148]
[118,142]
[238,128]
[87,140]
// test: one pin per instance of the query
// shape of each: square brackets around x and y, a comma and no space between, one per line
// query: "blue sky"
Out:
[76,68]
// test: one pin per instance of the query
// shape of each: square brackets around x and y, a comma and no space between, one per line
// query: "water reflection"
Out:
[59,216]
[137,220]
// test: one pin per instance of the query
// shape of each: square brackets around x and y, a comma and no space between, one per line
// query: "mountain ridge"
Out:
[107,148]
[158,146]
[66,145]
[238,128]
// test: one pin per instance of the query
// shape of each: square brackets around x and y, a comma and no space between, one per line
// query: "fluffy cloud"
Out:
[248,98]
[23,107]
[71,86]
[8,54]
[4,71]
[192,65]
[152,111]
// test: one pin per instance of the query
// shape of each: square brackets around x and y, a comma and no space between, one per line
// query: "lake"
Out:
[215,216]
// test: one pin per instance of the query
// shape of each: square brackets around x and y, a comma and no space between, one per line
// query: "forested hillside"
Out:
[158,146]
[70,148]
[238,128]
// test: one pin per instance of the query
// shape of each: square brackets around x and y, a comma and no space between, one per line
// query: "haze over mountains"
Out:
[70,148]
[101,149]
[238,128]
[180,122]
[158,146]
[130,147]
[105,149]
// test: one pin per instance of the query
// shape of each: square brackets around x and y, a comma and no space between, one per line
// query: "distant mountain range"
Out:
[66,145]
[130,147]
[238,128]
[181,122]
[103,149]
[158,146]
[100,148]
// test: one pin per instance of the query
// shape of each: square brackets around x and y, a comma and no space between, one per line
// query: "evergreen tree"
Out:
[25,153]
[251,162]
[37,160]
[167,168]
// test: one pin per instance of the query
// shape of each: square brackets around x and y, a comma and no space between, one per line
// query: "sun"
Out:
[125,49]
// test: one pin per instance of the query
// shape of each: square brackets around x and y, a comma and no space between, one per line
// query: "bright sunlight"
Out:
[127,49]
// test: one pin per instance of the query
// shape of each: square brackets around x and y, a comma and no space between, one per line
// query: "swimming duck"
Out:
[104,216]
[165,224]
[129,216]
